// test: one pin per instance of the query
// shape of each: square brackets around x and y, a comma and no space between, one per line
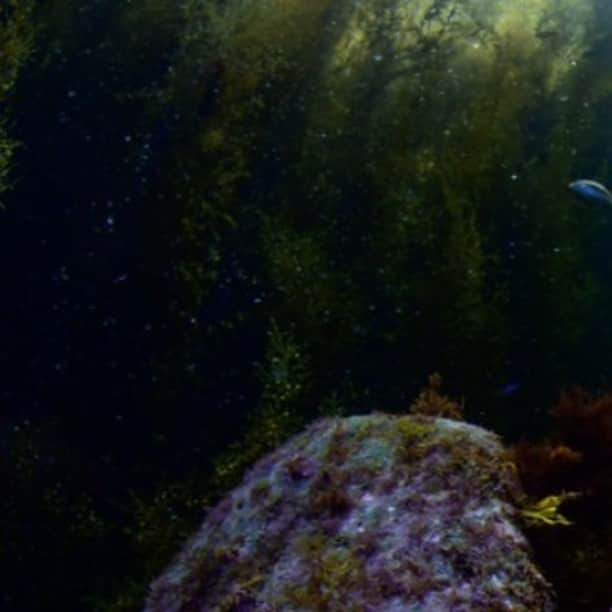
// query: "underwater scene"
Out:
[306,305]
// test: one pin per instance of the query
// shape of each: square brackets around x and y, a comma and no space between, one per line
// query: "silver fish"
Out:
[591,190]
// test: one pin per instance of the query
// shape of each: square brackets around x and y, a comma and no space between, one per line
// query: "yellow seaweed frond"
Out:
[546,510]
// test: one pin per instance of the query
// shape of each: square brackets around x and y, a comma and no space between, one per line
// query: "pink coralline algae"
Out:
[367,513]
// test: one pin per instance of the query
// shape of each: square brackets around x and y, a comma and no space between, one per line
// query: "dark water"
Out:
[228,218]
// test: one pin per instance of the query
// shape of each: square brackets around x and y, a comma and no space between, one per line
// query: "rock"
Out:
[369,513]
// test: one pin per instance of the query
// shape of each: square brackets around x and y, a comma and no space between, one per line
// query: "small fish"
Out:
[509,389]
[591,190]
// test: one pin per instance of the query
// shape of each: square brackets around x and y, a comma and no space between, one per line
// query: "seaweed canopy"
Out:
[16,41]
[585,422]
[545,467]
[578,452]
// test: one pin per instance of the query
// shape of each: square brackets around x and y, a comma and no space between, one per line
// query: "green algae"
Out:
[414,438]
[332,575]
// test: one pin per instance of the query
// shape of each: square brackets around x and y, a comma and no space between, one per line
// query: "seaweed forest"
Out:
[223,219]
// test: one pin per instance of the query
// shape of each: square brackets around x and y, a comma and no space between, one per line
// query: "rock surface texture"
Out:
[367,513]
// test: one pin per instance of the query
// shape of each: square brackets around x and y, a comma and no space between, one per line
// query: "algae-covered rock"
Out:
[364,513]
